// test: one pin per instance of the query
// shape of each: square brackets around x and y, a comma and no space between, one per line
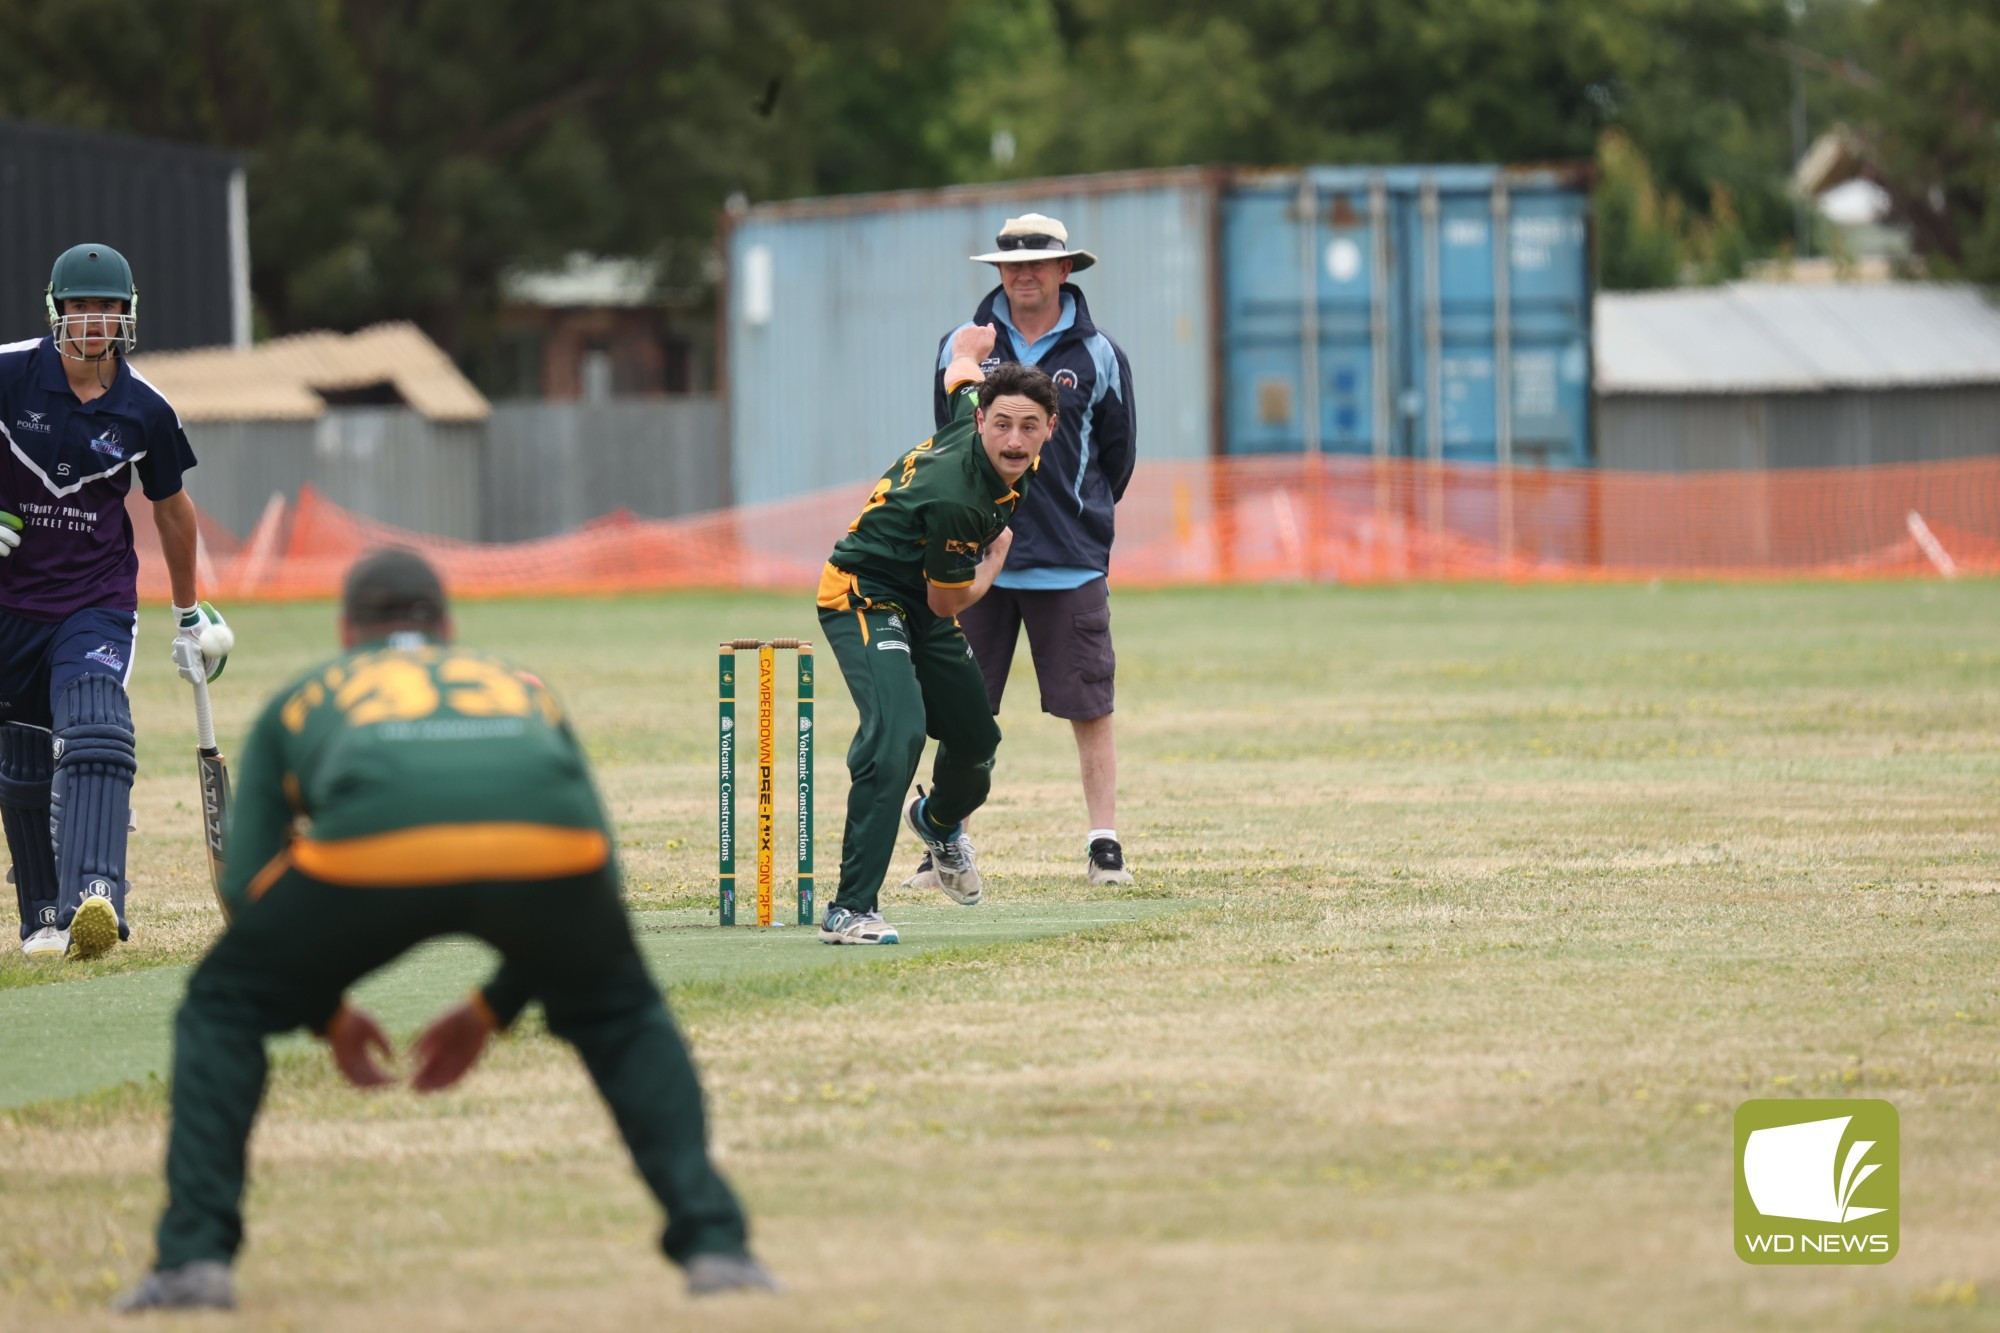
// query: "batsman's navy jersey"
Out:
[67,471]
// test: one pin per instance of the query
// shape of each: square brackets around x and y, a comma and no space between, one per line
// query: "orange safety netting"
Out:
[1244,520]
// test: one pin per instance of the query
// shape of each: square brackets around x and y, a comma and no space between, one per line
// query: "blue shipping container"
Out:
[1370,310]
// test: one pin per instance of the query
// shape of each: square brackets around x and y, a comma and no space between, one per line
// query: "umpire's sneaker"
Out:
[950,855]
[94,928]
[925,877]
[715,1274]
[48,942]
[1107,862]
[202,1285]
[844,927]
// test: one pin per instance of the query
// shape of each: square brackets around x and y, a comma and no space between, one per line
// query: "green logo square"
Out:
[1817,1182]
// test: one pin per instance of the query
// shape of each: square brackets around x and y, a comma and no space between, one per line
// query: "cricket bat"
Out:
[213,771]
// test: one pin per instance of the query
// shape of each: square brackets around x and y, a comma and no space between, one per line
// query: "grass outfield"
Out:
[1465,918]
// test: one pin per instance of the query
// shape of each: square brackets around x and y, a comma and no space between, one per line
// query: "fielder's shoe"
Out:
[844,927]
[46,942]
[950,855]
[94,928]
[925,877]
[1107,863]
[202,1285]
[715,1274]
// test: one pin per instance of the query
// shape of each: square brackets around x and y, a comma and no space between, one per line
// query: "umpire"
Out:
[1054,579]
[438,791]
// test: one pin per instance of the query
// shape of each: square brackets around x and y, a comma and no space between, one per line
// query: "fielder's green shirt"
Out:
[412,763]
[931,516]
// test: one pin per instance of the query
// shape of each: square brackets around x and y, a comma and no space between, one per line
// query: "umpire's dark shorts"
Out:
[1069,636]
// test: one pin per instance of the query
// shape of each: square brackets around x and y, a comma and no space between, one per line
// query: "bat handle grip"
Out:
[204,720]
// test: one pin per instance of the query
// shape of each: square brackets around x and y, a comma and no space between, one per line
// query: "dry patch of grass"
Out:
[1501,901]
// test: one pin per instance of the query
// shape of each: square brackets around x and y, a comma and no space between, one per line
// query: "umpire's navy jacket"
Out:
[1065,521]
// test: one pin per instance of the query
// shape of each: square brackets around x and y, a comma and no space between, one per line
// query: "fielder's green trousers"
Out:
[911,676]
[287,958]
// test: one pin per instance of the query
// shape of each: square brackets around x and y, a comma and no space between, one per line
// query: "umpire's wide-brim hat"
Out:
[1034,236]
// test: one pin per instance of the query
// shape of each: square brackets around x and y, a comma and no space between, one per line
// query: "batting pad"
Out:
[95,758]
[26,769]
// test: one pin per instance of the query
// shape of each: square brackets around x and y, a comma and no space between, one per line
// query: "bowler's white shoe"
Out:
[950,855]
[844,927]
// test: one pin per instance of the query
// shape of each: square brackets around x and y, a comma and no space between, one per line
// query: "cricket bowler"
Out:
[924,548]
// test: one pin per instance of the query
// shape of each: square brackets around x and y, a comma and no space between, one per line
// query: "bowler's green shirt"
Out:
[412,763]
[929,519]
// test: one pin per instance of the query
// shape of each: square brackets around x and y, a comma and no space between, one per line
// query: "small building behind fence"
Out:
[1779,375]
[382,423]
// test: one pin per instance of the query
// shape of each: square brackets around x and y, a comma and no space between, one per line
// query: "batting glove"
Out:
[201,648]
[10,533]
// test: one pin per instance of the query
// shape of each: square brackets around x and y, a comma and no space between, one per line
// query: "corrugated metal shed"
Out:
[282,380]
[1788,338]
[550,467]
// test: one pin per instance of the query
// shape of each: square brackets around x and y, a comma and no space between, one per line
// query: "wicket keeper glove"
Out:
[10,533]
[201,648]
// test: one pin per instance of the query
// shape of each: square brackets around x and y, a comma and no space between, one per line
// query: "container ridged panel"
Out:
[1390,276]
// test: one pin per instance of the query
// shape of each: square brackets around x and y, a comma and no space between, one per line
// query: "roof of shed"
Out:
[282,379]
[1766,337]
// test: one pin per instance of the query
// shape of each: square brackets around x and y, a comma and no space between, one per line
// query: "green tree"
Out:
[1637,244]
[403,155]
[1695,86]
[1932,127]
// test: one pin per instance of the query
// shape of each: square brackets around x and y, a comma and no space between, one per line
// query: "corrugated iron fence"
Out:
[1645,432]
[531,470]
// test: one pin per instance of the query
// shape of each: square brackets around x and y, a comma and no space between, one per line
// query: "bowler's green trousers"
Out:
[911,676]
[289,955]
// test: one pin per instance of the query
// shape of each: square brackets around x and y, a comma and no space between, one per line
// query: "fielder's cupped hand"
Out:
[355,1036]
[450,1047]
[10,532]
[202,642]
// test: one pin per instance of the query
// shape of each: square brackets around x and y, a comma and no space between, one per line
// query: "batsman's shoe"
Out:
[924,877]
[202,1285]
[950,855]
[715,1274]
[48,942]
[94,928]
[1107,862]
[844,927]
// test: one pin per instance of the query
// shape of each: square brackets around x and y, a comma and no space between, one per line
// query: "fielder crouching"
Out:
[434,791]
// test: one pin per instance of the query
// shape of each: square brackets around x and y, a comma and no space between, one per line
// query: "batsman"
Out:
[78,425]
[404,790]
